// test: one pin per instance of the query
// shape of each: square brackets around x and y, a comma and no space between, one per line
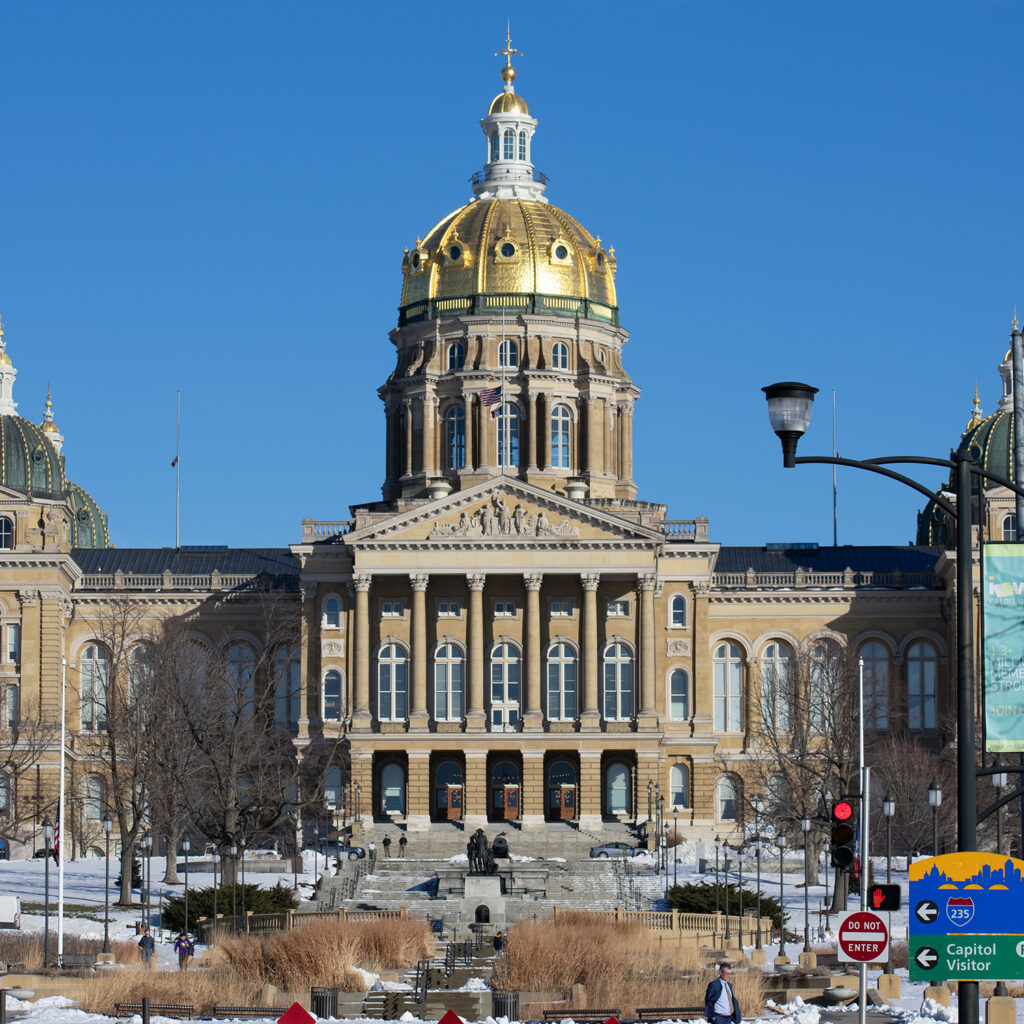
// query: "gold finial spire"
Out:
[976,416]
[508,73]
[1014,325]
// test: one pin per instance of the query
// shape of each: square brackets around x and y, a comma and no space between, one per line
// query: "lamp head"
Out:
[935,793]
[888,806]
[675,813]
[718,842]
[999,780]
[186,845]
[757,803]
[789,411]
[805,824]
[780,842]
[108,824]
[234,850]
[47,829]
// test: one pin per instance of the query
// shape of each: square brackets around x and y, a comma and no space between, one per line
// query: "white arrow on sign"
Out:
[926,958]
[926,911]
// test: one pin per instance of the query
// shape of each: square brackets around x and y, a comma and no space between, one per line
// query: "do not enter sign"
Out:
[863,938]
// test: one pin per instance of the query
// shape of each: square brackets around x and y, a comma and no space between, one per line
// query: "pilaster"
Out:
[361,719]
[309,661]
[418,714]
[533,718]
[533,796]
[590,717]
[417,791]
[476,715]
[647,718]
[474,799]
[588,795]
[531,429]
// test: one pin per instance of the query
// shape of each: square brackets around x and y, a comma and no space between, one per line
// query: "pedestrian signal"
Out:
[844,836]
[884,897]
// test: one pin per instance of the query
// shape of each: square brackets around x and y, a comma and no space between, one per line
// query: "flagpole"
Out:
[503,352]
[177,481]
[61,840]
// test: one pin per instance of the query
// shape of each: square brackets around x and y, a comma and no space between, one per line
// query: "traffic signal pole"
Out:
[865,846]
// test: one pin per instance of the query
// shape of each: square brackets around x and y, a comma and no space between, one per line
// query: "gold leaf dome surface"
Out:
[515,246]
[508,103]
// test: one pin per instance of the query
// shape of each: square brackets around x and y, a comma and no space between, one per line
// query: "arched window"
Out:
[392,684]
[95,673]
[775,696]
[6,534]
[617,788]
[876,686]
[509,149]
[823,684]
[495,147]
[679,785]
[1009,529]
[287,692]
[240,662]
[449,663]
[13,649]
[332,787]
[618,683]
[5,795]
[505,669]
[140,672]
[560,356]
[392,789]
[560,420]
[677,611]
[332,612]
[456,356]
[331,706]
[728,684]
[93,798]
[561,683]
[522,145]
[922,680]
[678,695]
[508,435]
[455,437]
[727,799]
[508,353]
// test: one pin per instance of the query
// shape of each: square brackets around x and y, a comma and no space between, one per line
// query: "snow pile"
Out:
[459,858]
[932,1010]
[474,985]
[369,979]
[407,1018]
[519,858]
[390,986]
[797,1011]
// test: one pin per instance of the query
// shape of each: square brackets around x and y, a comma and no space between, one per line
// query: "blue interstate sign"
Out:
[966,894]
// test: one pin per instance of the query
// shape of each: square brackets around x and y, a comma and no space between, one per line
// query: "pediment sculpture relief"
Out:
[495,519]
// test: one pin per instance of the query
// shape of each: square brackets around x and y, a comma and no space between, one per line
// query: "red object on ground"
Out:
[451,1017]
[863,937]
[296,1014]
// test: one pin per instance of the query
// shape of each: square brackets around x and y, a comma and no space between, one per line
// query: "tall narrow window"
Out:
[6,533]
[922,677]
[241,671]
[618,683]
[728,684]
[456,356]
[449,663]
[823,688]
[679,785]
[12,706]
[5,795]
[140,672]
[618,781]
[287,692]
[495,147]
[775,702]
[508,436]
[560,356]
[678,611]
[14,643]
[505,667]
[509,149]
[728,798]
[508,354]
[522,145]
[93,798]
[561,683]
[332,696]
[95,673]
[332,787]
[678,695]
[392,684]
[560,420]
[876,686]
[332,613]
[455,437]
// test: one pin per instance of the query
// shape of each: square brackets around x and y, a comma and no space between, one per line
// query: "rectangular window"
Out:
[617,609]
[561,609]
[449,609]
[392,609]
[504,609]
[14,644]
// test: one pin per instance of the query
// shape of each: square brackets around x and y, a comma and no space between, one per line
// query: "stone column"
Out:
[531,433]
[701,667]
[417,795]
[430,467]
[648,716]
[591,714]
[474,794]
[418,714]
[588,795]
[408,464]
[468,403]
[476,716]
[545,455]
[309,661]
[532,715]
[595,408]
[533,795]
[361,695]
[627,442]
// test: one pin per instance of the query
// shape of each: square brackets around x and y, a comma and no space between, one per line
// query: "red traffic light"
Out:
[842,811]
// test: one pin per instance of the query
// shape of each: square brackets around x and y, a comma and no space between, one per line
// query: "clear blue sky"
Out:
[215,196]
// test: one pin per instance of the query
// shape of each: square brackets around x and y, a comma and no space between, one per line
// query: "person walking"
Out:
[183,947]
[147,945]
[720,1006]
[499,944]
[403,842]
[373,855]
[387,845]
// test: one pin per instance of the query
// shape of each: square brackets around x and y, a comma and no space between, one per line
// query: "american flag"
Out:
[491,396]
[55,851]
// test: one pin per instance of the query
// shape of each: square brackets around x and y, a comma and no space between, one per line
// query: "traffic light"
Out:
[844,836]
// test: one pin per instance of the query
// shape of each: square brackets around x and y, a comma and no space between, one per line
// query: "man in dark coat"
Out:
[720,1006]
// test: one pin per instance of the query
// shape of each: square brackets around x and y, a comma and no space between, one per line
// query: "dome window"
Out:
[37,456]
[508,250]
[495,147]
[522,145]
[455,253]
[456,356]
[509,149]
[600,259]
[416,261]
[559,251]
[560,356]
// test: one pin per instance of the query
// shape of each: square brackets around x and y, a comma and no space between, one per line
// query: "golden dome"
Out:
[508,103]
[49,427]
[5,359]
[516,248]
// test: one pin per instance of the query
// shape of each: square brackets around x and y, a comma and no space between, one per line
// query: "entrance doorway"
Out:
[561,791]
[448,791]
[505,791]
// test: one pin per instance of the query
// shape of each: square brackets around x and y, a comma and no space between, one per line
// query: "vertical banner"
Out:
[1003,597]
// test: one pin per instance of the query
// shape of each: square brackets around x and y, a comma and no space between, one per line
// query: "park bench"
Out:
[183,1011]
[648,1013]
[245,1011]
[71,961]
[581,1016]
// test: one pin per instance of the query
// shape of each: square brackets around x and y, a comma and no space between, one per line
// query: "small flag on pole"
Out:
[56,838]
[174,461]
[492,397]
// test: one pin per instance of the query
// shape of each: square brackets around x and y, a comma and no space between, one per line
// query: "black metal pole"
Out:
[46,909]
[888,875]
[728,934]
[740,912]
[807,909]
[186,889]
[717,902]
[106,900]
[782,903]
[757,853]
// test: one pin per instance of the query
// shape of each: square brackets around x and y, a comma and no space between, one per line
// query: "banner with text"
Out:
[1003,602]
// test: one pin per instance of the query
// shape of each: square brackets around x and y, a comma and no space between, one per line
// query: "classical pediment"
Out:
[502,511]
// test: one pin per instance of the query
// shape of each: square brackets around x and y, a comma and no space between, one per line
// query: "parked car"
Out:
[336,848]
[39,855]
[606,850]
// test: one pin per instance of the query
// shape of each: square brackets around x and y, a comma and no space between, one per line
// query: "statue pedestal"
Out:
[483,898]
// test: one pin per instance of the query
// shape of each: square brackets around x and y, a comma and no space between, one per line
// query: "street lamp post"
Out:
[664,850]
[758,804]
[216,857]
[147,843]
[675,846]
[805,827]
[999,780]
[108,824]
[661,822]
[650,795]
[935,799]
[725,887]
[888,809]
[780,842]
[47,837]
[789,410]
[358,789]
[234,874]
[718,845]
[823,859]
[739,858]
[241,845]
[186,846]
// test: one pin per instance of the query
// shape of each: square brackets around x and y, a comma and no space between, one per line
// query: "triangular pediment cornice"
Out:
[503,511]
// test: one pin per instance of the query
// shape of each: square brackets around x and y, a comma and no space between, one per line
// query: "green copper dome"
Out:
[28,461]
[89,529]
